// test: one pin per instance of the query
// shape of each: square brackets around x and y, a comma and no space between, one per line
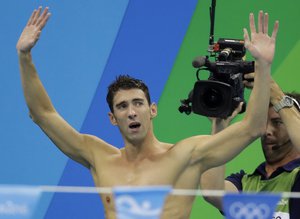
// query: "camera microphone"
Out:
[276,147]
[199,61]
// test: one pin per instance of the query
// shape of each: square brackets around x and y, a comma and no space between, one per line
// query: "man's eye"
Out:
[278,122]
[138,103]
[122,106]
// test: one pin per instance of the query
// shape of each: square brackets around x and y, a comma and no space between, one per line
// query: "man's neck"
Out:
[149,147]
[270,168]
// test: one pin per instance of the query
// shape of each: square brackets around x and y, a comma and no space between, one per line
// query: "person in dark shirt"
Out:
[281,147]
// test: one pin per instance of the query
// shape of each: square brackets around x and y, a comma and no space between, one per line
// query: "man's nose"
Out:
[269,130]
[131,112]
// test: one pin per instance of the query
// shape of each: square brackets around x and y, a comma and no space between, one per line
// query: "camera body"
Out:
[222,92]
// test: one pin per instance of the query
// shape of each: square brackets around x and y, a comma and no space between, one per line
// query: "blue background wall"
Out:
[85,44]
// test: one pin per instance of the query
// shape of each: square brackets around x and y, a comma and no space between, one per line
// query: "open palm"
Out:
[32,31]
[261,45]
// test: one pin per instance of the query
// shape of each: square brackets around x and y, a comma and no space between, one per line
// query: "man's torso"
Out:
[165,168]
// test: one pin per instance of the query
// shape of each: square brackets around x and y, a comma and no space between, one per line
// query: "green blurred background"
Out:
[231,17]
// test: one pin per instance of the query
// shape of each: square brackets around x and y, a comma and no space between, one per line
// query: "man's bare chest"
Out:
[136,174]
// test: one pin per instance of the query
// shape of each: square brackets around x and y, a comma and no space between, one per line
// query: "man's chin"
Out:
[135,139]
[273,158]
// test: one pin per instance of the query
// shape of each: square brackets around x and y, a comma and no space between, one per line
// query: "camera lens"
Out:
[212,98]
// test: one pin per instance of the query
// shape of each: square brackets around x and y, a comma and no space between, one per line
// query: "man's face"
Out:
[276,143]
[132,114]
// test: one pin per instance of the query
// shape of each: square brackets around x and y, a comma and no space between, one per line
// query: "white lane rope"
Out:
[180,192]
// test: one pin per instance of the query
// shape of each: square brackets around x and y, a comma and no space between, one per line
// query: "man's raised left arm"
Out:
[218,149]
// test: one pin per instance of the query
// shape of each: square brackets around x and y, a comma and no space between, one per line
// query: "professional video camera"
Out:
[222,92]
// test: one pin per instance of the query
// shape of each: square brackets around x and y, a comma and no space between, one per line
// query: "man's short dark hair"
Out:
[125,82]
[294,95]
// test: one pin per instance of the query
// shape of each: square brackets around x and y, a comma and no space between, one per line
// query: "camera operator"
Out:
[281,148]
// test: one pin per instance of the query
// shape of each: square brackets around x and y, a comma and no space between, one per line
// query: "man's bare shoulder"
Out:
[192,141]
[188,145]
[97,144]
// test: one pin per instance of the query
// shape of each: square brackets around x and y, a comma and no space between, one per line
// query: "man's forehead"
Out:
[129,95]
[272,114]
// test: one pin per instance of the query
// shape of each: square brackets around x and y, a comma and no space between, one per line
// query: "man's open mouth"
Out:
[134,125]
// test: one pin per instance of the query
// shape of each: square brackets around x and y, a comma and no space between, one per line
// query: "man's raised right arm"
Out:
[289,116]
[42,112]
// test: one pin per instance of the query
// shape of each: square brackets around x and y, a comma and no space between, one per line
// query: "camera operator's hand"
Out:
[261,45]
[249,80]
[218,124]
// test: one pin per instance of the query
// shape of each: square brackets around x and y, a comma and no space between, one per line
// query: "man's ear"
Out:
[153,110]
[112,118]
